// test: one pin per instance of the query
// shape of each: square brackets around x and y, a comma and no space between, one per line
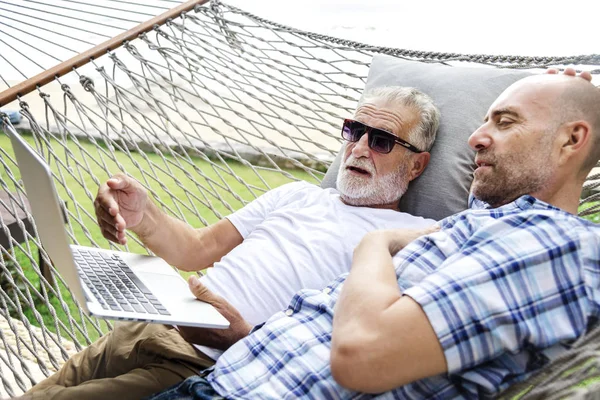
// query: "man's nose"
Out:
[480,139]
[361,148]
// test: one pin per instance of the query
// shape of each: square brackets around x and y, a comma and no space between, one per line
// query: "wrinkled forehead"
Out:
[395,118]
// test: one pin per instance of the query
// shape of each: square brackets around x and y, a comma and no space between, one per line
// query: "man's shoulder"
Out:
[530,207]
[523,206]
[525,213]
[301,187]
[299,191]
[296,187]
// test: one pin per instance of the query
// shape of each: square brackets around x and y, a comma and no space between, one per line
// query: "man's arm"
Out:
[181,245]
[381,339]
[123,203]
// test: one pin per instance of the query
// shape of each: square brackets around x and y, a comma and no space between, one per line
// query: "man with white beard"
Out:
[297,236]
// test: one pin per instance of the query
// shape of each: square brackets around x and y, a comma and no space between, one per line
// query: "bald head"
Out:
[567,99]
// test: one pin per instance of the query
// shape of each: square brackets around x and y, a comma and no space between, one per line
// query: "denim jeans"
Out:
[193,388]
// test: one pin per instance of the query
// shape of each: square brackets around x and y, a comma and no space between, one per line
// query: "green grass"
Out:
[79,189]
[592,217]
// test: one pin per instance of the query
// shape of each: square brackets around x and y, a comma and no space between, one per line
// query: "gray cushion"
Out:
[463,96]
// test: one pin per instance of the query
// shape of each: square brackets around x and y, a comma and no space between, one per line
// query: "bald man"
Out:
[463,312]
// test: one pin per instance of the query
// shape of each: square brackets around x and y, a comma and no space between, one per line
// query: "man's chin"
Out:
[492,196]
[356,201]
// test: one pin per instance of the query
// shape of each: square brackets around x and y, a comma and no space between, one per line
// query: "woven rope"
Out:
[207,111]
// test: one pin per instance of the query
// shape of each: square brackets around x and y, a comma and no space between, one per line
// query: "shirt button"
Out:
[289,312]
[327,290]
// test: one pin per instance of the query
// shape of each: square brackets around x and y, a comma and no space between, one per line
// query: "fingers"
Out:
[107,232]
[116,222]
[571,72]
[112,227]
[431,229]
[238,327]
[107,210]
[201,292]
[112,224]
[106,200]
[120,182]
[586,75]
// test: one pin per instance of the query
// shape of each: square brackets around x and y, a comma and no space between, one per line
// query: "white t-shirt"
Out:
[295,236]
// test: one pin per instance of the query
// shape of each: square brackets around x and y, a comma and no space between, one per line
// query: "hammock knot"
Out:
[87,83]
[67,89]
[215,8]
[133,51]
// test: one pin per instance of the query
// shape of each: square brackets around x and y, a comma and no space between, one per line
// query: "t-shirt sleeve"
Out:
[255,212]
[521,290]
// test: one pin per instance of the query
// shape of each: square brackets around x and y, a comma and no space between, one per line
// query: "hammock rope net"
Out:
[208,111]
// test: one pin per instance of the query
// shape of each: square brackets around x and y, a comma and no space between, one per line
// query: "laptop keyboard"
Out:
[114,284]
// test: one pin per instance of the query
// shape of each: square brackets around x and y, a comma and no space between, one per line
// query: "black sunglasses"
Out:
[379,140]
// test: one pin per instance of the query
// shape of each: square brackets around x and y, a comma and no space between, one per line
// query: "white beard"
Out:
[370,190]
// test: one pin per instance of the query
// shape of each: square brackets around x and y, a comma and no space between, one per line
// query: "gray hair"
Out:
[423,135]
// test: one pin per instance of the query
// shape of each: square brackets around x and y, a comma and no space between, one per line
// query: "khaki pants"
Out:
[133,361]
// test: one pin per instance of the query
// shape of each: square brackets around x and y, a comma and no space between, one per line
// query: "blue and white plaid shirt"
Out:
[505,289]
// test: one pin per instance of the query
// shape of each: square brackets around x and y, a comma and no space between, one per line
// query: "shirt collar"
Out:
[524,202]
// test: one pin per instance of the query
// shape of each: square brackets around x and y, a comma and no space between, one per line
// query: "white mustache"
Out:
[362,163]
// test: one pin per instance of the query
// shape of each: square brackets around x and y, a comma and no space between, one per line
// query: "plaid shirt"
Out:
[505,289]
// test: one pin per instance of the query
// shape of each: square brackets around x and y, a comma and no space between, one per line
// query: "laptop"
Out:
[108,284]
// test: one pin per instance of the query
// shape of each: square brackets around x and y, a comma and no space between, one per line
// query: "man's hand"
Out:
[217,338]
[119,205]
[396,239]
[571,72]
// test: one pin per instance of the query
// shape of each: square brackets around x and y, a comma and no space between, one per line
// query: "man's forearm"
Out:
[376,329]
[370,288]
[181,245]
[372,282]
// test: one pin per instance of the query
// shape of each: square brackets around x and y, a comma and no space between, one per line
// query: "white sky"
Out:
[509,27]
[515,27]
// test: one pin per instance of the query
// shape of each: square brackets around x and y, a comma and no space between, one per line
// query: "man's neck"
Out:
[566,196]
[390,206]
[569,204]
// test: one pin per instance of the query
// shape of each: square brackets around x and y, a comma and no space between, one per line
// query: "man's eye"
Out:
[504,122]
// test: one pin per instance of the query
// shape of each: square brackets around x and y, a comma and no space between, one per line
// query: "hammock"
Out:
[209,107]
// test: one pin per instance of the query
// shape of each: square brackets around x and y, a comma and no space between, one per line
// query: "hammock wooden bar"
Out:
[67,66]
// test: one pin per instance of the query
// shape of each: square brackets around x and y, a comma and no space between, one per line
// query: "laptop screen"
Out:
[46,211]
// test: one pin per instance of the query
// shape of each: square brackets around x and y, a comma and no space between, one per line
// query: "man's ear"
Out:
[575,140]
[419,162]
